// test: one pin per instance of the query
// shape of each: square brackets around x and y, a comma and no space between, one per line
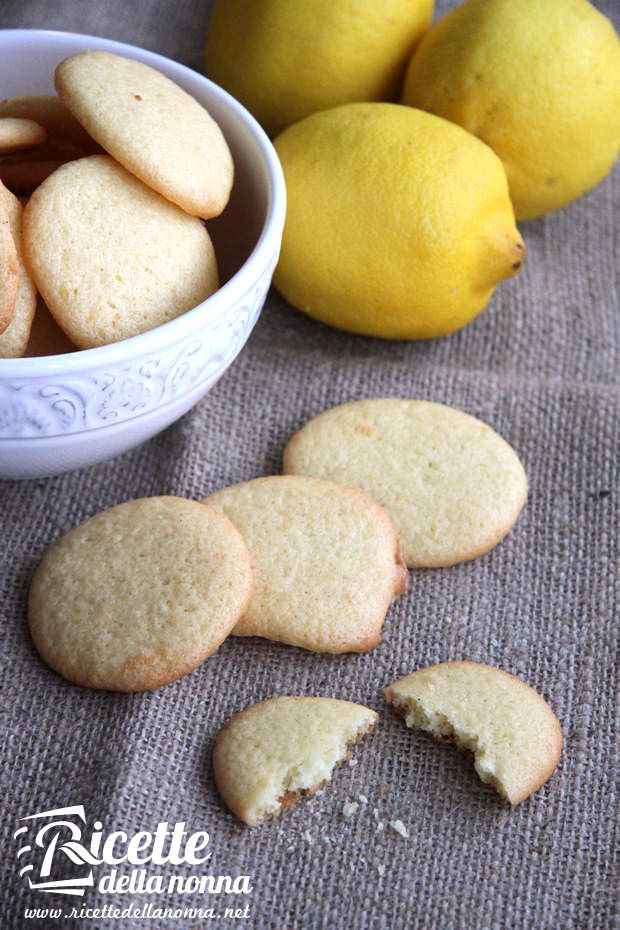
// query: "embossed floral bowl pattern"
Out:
[66,411]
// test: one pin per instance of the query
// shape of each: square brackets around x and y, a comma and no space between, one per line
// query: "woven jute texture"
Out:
[540,366]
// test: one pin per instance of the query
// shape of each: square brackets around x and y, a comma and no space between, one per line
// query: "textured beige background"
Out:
[540,366]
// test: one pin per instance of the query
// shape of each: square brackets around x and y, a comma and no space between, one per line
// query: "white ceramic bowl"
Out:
[65,411]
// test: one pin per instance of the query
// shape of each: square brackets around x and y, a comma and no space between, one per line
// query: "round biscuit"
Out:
[9,264]
[453,486]
[515,737]
[151,126]
[50,112]
[16,133]
[326,562]
[14,339]
[269,754]
[111,257]
[140,594]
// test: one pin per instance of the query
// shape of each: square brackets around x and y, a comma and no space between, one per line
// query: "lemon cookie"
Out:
[140,594]
[453,487]
[14,339]
[111,257]
[151,126]
[326,562]
[514,735]
[58,122]
[9,265]
[18,134]
[266,757]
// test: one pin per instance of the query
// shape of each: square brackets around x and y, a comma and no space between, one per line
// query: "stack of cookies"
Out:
[118,174]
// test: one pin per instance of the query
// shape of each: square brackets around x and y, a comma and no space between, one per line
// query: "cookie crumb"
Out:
[362,798]
[352,763]
[399,827]
[349,808]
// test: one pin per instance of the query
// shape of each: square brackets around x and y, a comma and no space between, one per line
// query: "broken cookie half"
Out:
[270,754]
[515,737]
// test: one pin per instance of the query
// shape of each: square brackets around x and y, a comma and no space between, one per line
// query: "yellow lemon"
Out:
[399,223]
[538,81]
[285,59]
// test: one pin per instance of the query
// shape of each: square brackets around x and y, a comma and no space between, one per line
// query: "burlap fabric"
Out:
[540,366]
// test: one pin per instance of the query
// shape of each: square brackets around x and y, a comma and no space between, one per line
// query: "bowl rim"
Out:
[218,303]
